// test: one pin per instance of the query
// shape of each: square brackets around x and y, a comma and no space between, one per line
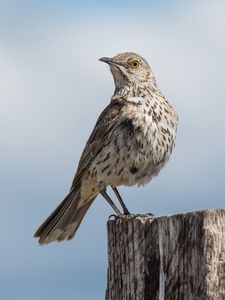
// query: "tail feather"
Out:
[64,221]
[70,230]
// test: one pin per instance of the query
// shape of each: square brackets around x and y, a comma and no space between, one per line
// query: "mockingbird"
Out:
[130,143]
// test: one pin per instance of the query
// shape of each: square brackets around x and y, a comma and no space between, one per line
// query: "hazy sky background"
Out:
[52,89]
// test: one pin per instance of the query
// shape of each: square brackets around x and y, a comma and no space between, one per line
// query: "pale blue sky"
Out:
[52,90]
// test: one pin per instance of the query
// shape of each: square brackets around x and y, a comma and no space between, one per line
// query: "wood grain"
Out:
[179,257]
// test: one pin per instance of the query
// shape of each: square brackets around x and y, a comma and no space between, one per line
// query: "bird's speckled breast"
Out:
[142,143]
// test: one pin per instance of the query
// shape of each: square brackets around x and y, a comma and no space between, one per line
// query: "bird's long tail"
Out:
[64,221]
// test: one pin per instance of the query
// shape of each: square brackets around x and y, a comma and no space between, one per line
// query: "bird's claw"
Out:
[112,216]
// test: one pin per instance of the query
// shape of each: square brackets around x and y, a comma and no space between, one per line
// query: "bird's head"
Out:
[129,68]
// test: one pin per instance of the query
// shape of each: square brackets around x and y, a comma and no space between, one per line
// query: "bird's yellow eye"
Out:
[135,64]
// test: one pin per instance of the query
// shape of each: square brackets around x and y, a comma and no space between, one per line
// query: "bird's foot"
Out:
[126,212]
[112,216]
[127,215]
[150,215]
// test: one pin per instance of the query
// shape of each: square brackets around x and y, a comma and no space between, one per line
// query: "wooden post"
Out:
[179,257]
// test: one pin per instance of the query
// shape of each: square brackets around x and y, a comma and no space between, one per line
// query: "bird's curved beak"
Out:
[110,61]
[107,60]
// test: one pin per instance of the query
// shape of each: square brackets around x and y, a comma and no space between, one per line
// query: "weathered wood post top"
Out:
[179,257]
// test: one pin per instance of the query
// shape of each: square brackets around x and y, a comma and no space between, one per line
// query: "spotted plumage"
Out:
[131,141]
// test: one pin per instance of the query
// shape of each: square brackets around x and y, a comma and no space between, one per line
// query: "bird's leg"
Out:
[109,200]
[125,210]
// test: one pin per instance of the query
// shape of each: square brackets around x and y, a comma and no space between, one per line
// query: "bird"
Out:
[131,142]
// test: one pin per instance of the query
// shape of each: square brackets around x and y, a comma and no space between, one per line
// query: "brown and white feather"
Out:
[132,140]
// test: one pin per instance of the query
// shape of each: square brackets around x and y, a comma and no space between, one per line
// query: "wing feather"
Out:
[104,128]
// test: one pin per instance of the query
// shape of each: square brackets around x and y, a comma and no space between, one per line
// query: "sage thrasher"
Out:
[131,141]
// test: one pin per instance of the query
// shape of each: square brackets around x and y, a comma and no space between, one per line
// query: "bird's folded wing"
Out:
[104,127]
